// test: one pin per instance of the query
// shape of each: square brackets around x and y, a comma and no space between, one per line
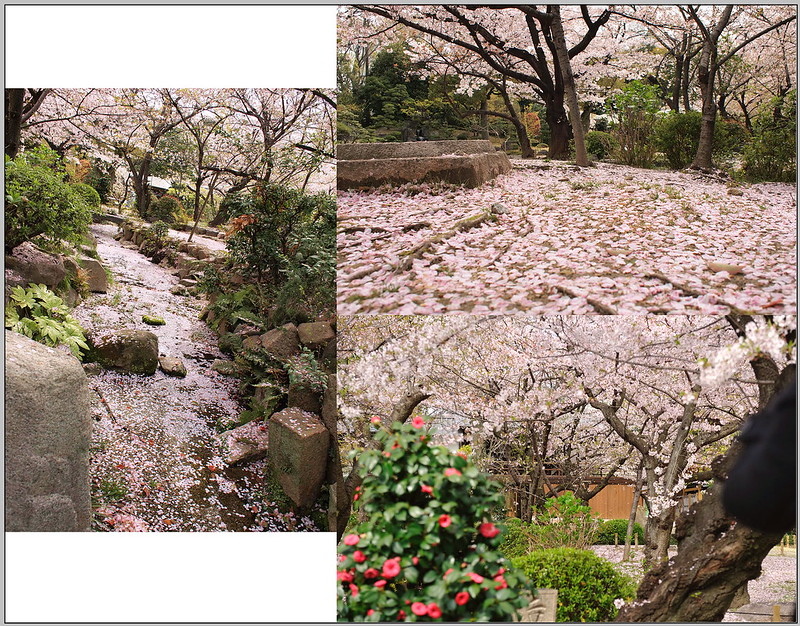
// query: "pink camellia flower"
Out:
[447,572]
[452,471]
[462,597]
[351,540]
[427,489]
[499,579]
[434,611]
[359,556]
[371,573]
[354,590]
[476,578]
[375,419]
[401,615]
[418,422]
[488,530]
[370,612]
[445,520]
[418,608]
[391,568]
[342,557]
[344,576]
[415,560]
[380,584]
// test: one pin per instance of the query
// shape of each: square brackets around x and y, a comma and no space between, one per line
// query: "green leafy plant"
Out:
[614,530]
[304,370]
[772,153]
[428,549]
[88,193]
[39,203]
[38,313]
[599,143]
[587,584]
[166,209]
[636,108]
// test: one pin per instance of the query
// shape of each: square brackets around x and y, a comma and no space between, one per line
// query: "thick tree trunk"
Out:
[657,536]
[559,128]
[570,93]
[519,127]
[13,120]
[705,79]
[716,556]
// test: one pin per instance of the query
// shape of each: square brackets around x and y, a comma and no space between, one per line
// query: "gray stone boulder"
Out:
[133,351]
[225,367]
[47,438]
[246,443]
[281,342]
[299,454]
[96,274]
[304,398]
[315,335]
[36,266]
[172,366]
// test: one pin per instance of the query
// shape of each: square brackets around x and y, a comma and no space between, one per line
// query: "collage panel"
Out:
[566,298]
[170,309]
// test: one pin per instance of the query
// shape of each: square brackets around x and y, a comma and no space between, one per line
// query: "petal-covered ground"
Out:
[551,238]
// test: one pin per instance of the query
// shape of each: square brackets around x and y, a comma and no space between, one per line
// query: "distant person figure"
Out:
[420,135]
[761,490]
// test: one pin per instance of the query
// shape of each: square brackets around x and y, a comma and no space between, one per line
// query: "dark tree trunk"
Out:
[13,120]
[560,131]
[519,126]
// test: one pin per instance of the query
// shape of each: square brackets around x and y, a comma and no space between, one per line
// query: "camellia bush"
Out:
[428,550]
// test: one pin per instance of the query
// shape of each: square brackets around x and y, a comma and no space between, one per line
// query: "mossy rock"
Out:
[153,320]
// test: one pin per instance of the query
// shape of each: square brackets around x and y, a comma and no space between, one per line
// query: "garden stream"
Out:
[156,459]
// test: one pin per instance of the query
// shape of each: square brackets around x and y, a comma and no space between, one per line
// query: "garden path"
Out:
[550,238]
[156,461]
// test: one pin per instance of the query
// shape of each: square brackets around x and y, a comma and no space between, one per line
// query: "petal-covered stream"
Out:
[157,462]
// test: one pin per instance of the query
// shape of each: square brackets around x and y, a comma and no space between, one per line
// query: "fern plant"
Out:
[38,313]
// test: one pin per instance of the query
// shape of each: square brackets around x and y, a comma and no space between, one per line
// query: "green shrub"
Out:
[165,209]
[772,153]
[101,178]
[677,136]
[428,550]
[38,313]
[599,144]
[587,584]
[636,108]
[617,527]
[88,193]
[515,539]
[39,203]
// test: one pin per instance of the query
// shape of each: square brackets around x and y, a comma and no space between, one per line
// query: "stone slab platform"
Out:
[469,163]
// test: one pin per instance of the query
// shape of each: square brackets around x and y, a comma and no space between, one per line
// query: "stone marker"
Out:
[470,163]
[542,608]
[96,274]
[47,438]
[172,366]
[298,454]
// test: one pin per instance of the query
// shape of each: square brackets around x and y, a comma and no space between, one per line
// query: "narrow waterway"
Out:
[157,462]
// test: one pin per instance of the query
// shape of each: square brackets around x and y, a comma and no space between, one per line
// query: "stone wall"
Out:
[47,437]
[469,163]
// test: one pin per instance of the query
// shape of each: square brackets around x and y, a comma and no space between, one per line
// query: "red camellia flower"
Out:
[359,556]
[370,612]
[371,573]
[345,576]
[351,540]
[418,608]
[342,557]
[401,614]
[380,584]
[447,572]
[375,420]
[452,471]
[427,489]
[391,568]
[488,530]
[354,590]
[418,422]
[415,560]
[434,611]
[476,578]
[499,579]
[445,520]
[462,597]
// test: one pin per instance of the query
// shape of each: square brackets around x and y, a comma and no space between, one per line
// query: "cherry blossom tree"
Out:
[21,104]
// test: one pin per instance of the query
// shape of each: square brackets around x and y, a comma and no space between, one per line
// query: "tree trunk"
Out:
[637,493]
[657,536]
[483,120]
[13,120]
[519,127]
[716,556]
[559,128]
[570,93]
[705,78]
